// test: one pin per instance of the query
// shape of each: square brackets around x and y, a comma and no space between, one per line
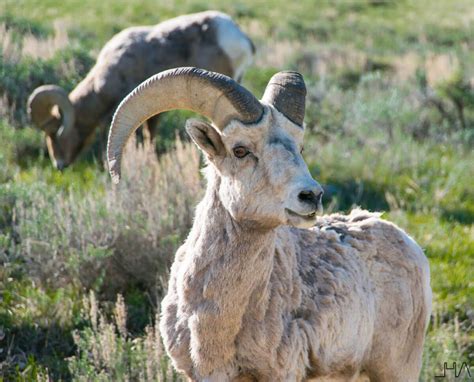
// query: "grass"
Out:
[60,242]
[390,127]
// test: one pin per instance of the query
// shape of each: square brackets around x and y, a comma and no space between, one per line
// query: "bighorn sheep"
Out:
[209,40]
[254,293]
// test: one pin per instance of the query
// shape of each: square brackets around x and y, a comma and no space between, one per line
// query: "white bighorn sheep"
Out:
[209,40]
[255,294]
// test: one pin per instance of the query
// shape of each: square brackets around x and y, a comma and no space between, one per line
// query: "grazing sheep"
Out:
[209,40]
[255,294]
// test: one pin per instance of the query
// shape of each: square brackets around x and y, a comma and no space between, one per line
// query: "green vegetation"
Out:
[390,126]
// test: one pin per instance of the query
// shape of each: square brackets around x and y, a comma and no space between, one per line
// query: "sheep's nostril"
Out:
[307,196]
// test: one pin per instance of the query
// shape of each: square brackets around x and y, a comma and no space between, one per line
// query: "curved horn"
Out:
[41,103]
[213,95]
[287,92]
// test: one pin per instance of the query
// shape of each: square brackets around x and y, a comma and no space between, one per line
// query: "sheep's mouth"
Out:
[309,216]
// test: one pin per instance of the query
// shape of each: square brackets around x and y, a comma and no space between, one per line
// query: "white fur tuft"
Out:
[234,43]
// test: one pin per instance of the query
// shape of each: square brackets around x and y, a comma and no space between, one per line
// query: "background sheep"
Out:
[253,293]
[209,40]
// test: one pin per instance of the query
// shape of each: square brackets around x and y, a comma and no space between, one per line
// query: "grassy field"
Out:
[390,127]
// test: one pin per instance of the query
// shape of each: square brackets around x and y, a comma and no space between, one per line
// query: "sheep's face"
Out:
[63,147]
[263,178]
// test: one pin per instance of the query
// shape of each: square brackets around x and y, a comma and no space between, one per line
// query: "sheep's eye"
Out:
[240,151]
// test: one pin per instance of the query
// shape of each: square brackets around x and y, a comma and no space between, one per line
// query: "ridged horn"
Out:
[213,95]
[287,92]
[40,109]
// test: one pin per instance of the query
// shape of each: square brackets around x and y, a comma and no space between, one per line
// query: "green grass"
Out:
[378,26]
[428,194]
[375,139]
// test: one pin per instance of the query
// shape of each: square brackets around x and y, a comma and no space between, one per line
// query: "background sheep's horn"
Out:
[213,95]
[40,109]
[287,92]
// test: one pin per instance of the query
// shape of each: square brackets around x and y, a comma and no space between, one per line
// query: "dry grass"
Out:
[28,60]
[124,235]
[32,46]
[38,48]
[406,65]
[106,351]
[8,47]
[276,53]
[438,67]
[310,57]
[320,60]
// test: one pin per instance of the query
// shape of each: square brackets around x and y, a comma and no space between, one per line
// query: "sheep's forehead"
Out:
[273,129]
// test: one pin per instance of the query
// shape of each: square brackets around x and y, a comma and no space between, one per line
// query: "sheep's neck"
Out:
[228,276]
[89,107]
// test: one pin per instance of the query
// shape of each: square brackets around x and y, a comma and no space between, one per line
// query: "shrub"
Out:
[447,342]
[31,61]
[106,352]
[112,238]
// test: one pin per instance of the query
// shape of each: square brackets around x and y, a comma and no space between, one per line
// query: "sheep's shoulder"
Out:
[362,256]
[367,235]
[358,252]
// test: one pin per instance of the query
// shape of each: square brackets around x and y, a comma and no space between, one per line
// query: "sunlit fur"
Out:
[252,297]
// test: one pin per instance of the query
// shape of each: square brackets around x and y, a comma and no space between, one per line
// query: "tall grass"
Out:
[88,239]
[447,342]
[106,351]
[28,61]
[59,243]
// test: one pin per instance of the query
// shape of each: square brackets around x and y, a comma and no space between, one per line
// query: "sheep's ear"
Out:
[205,137]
